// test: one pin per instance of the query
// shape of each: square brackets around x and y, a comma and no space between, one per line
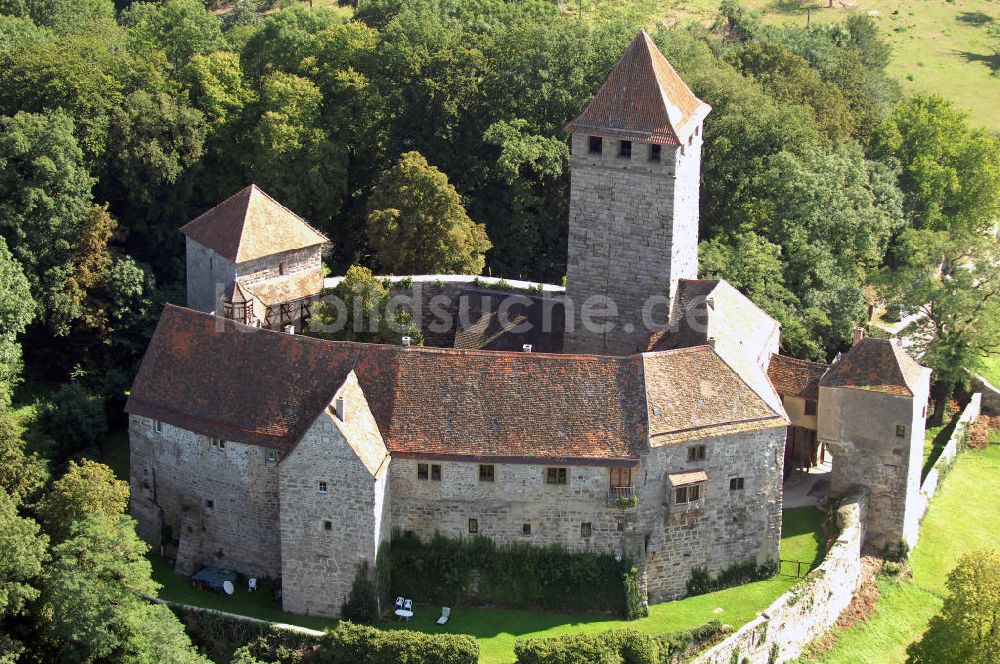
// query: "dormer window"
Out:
[625,149]
[654,152]
[281,268]
[218,444]
[596,145]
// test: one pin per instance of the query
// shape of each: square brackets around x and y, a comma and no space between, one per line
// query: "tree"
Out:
[360,308]
[87,488]
[950,171]
[21,475]
[94,600]
[181,28]
[46,213]
[63,16]
[417,224]
[17,309]
[22,555]
[954,283]
[967,631]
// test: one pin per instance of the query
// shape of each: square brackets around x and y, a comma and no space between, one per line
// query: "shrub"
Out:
[617,646]
[477,571]
[634,606]
[75,419]
[358,644]
[702,581]
[362,602]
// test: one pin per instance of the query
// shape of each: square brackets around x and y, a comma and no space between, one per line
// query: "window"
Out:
[900,431]
[696,453]
[619,477]
[473,526]
[322,487]
[654,152]
[596,145]
[209,504]
[422,471]
[272,456]
[586,529]
[281,268]
[487,472]
[625,149]
[736,484]
[526,529]
[810,407]
[435,472]
[555,476]
[157,426]
[690,493]
[328,525]
[218,444]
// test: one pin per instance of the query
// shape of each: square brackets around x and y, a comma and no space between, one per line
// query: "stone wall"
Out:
[328,531]
[948,455]
[782,631]
[517,496]
[726,526]
[990,396]
[859,427]
[283,264]
[633,232]
[174,475]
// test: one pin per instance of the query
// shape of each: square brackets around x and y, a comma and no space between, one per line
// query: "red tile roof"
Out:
[692,393]
[877,365]
[250,224]
[643,99]
[792,377]
[223,379]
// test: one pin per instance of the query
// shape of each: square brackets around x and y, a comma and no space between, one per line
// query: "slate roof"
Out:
[223,379]
[527,319]
[792,377]
[877,365]
[692,393]
[250,224]
[643,99]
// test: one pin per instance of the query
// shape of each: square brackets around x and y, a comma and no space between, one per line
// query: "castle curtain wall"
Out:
[219,504]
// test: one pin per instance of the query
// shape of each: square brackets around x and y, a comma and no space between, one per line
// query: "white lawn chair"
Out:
[251,585]
[445,615]
[399,602]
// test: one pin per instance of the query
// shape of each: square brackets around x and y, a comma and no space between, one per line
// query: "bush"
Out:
[702,581]
[634,606]
[358,644]
[479,572]
[617,646]
[362,602]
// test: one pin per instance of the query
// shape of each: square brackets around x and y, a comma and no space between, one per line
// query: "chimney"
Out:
[407,341]
[859,334]
[526,348]
[710,341]
[339,407]
[289,329]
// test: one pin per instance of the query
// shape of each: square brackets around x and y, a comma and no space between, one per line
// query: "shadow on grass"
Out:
[974,18]
[805,523]
[991,61]
[938,445]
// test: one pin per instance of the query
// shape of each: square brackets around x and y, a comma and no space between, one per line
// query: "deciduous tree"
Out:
[360,308]
[87,488]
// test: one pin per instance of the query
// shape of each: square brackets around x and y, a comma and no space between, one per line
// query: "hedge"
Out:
[479,572]
[618,646]
[359,644]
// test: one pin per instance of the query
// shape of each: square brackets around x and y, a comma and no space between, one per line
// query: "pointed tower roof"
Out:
[876,365]
[643,99]
[250,224]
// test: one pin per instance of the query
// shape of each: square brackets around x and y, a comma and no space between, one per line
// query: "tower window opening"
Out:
[625,149]
[654,152]
[596,145]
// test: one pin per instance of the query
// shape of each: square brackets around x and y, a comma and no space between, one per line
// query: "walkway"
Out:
[807,488]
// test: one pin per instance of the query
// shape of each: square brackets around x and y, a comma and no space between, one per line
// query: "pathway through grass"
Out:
[496,630]
[962,517]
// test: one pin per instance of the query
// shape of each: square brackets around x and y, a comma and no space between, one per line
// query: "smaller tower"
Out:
[253,260]
[633,220]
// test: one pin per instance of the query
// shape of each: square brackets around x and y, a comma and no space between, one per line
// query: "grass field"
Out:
[939,46]
[962,517]
[991,371]
[496,630]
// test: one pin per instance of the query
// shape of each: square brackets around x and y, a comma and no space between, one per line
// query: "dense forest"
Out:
[825,193]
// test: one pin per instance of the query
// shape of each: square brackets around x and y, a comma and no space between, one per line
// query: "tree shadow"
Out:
[976,19]
[992,61]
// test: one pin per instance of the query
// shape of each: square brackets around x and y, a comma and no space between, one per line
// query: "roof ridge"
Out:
[220,204]
[800,360]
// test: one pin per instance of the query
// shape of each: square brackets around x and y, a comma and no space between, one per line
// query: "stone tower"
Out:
[633,220]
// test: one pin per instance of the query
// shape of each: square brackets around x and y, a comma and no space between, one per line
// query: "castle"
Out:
[259,449]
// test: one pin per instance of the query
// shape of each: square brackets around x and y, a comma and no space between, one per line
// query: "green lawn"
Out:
[939,46]
[497,629]
[935,439]
[991,370]
[962,517]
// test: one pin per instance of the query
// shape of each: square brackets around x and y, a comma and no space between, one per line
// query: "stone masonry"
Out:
[633,232]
